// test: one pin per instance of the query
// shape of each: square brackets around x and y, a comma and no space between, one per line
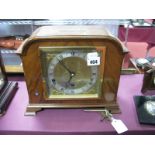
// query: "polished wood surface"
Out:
[69,30]
[112,68]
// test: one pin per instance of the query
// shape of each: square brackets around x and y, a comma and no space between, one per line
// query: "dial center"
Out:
[72,74]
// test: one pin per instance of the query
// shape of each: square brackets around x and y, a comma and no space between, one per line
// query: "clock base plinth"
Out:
[113,109]
[7,95]
[32,109]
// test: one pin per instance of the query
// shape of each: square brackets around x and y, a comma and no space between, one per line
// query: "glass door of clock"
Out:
[72,72]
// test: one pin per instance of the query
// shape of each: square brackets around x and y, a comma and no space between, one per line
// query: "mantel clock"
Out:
[72,67]
[7,89]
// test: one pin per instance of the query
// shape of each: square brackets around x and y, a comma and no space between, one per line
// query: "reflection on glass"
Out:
[1,79]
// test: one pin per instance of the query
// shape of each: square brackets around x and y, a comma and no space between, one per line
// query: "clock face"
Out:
[68,72]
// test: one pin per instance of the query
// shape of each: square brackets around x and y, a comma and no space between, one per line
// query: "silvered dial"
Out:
[68,73]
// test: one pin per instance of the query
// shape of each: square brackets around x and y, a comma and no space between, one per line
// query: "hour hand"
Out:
[72,74]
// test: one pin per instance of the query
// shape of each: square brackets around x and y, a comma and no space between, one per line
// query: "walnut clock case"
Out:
[7,89]
[72,67]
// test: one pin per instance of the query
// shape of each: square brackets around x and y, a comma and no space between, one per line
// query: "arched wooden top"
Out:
[70,32]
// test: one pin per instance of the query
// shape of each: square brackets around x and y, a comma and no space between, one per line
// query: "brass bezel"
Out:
[74,97]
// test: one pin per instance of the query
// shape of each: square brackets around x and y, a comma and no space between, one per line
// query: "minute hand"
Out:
[61,62]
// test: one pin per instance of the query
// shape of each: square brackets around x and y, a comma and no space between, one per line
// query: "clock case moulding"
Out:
[61,36]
